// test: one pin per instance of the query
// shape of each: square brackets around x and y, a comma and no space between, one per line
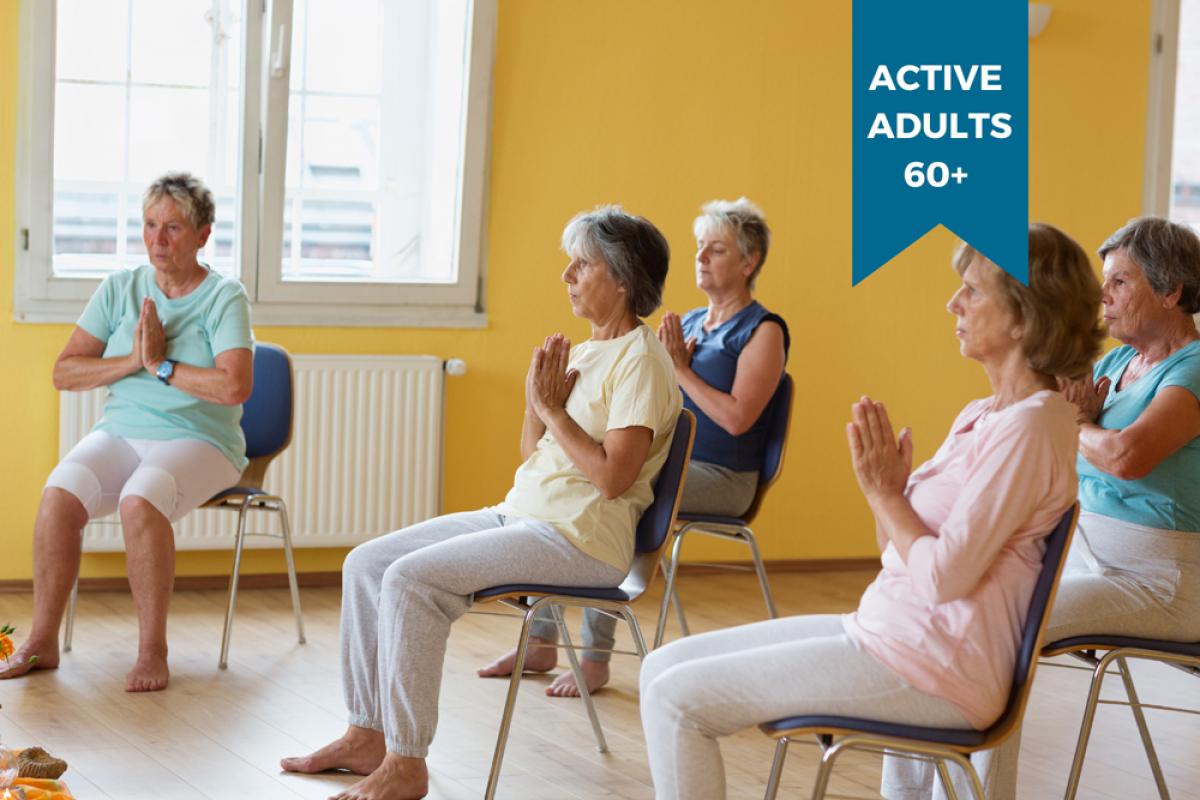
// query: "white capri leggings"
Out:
[175,476]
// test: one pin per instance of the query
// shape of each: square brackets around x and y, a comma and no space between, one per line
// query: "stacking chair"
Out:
[838,734]
[1099,651]
[735,529]
[653,531]
[267,425]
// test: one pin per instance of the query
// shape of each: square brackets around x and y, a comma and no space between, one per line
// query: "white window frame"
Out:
[1160,107]
[39,296]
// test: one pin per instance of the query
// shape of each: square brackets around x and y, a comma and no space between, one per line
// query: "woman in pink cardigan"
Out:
[934,639]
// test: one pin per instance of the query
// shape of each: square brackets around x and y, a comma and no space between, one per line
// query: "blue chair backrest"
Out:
[779,409]
[267,415]
[1043,591]
[655,524]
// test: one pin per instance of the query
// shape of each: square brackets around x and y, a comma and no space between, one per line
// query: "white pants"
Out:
[401,592]
[176,476]
[1120,579]
[696,689]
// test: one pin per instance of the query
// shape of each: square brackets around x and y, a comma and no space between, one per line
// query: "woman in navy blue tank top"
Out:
[729,357]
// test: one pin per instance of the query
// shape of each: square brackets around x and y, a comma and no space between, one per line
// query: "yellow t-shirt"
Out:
[624,382]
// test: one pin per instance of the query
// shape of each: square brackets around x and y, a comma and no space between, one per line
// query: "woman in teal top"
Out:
[1134,565]
[171,341]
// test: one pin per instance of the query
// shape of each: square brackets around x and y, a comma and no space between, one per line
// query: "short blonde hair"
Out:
[194,199]
[1060,308]
[747,223]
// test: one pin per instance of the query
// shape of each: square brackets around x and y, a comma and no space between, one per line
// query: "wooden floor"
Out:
[220,734]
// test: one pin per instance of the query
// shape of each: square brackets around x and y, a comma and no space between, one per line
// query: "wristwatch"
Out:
[166,368]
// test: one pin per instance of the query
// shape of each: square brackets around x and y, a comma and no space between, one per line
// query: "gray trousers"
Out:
[1120,579]
[709,489]
[401,592]
[696,689]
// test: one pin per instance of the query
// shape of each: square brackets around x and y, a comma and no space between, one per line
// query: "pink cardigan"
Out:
[949,621]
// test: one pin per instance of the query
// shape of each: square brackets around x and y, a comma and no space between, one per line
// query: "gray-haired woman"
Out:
[729,356]
[172,342]
[597,428]
[1134,564]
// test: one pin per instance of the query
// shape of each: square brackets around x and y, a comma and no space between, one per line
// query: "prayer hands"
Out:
[151,339]
[1087,397]
[670,333]
[881,465]
[548,383]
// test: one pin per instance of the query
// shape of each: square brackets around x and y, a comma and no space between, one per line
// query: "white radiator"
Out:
[365,457]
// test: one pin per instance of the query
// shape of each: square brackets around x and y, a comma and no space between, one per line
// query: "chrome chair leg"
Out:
[510,702]
[965,764]
[1085,727]
[825,771]
[676,547]
[776,769]
[565,635]
[69,628]
[635,630]
[660,627]
[1143,730]
[761,571]
[223,661]
[293,584]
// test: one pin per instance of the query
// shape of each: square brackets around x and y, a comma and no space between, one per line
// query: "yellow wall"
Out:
[662,105]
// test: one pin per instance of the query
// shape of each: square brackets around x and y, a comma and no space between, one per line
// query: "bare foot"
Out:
[537,659]
[594,672]
[397,778]
[149,674]
[30,656]
[360,750]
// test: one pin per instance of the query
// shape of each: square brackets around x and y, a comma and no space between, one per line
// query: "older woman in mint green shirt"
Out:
[172,343]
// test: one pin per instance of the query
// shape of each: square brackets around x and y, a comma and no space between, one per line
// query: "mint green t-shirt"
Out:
[212,318]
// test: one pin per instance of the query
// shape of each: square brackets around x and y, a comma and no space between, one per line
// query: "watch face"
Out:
[165,370]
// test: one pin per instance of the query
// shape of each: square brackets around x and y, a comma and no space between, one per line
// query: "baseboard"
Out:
[196,583]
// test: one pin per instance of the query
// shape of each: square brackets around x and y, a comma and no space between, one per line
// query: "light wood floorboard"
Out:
[217,734]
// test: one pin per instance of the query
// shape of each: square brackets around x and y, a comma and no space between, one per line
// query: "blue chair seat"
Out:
[949,736]
[235,491]
[617,594]
[711,519]
[1114,642]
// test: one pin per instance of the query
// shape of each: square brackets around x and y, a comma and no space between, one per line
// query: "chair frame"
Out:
[1099,652]
[530,601]
[939,747]
[737,529]
[247,495]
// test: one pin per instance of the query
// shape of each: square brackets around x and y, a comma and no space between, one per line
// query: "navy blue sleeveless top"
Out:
[715,361]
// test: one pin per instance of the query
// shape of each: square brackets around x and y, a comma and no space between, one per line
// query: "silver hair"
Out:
[747,223]
[194,199]
[1167,252]
[636,253]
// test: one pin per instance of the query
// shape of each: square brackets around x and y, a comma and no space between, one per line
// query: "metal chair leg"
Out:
[761,571]
[69,630]
[293,584]
[776,769]
[676,548]
[1143,730]
[635,630]
[223,661]
[944,776]
[976,786]
[660,627]
[564,635]
[1085,727]
[510,702]
[825,771]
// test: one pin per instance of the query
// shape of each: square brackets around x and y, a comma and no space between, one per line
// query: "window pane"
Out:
[1185,161]
[159,96]
[371,190]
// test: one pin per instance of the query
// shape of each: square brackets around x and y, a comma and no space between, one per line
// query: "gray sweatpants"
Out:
[696,689]
[401,592]
[709,489]
[1119,579]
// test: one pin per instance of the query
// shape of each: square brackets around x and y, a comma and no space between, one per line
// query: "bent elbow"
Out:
[1131,469]
[236,396]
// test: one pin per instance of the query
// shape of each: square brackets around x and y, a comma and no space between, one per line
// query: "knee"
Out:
[61,508]
[137,514]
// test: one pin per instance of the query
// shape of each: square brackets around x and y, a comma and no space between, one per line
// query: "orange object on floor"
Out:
[37,789]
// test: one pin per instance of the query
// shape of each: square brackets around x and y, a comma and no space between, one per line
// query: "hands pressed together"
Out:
[670,333]
[1088,397]
[881,463]
[548,383]
[149,340]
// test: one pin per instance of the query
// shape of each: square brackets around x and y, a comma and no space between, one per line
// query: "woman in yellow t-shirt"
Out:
[598,424]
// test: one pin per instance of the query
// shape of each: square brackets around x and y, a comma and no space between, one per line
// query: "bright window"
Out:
[345,143]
